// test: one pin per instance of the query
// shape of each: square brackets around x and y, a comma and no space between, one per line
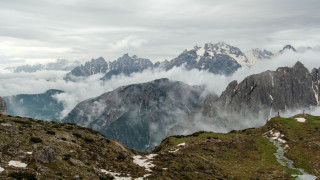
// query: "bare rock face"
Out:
[259,97]
[265,94]
[3,106]
[46,154]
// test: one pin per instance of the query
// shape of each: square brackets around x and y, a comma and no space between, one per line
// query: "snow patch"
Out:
[271,97]
[316,95]
[1,169]
[172,150]
[115,175]
[301,119]
[144,161]
[29,152]
[200,52]
[6,124]
[18,164]
[276,136]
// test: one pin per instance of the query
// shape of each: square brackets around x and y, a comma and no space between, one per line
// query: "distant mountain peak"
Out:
[288,47]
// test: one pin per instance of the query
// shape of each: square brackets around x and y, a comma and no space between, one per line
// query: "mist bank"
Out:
[75,92]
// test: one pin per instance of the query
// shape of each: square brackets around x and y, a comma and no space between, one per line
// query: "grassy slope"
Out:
[243,154]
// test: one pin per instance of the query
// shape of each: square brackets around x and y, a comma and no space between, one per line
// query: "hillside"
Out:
[282,149]
[49,150]
[245,154]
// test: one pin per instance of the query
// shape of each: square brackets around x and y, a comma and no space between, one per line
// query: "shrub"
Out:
[77,135]
[21,122]
[69,127]
[35,140]
[51,132]
[88,139]
[66,156]
[63,138]
[56,126]
[22,175]
[107,177]
[121,157]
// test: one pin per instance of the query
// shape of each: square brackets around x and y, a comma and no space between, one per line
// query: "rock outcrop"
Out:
[3,106]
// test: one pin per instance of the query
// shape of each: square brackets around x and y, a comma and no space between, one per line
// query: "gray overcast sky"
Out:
[41,30]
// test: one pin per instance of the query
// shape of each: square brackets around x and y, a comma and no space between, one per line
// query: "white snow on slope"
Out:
[276,135]
[251,57]
[115,175]
[182,144]
[172,150]
[200,52]
[1,169]
[301,119]
[144,161]
[18,164]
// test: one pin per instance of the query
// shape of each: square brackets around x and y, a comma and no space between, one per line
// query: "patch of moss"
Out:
[51,132]
[77,135]
[22,175]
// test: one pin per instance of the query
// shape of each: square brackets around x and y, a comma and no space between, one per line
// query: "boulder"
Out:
[46,154]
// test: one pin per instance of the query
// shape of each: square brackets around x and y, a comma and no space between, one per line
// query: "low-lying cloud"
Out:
[75,92]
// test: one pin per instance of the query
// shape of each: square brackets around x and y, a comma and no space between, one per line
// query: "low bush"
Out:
[22,175]
[35,139]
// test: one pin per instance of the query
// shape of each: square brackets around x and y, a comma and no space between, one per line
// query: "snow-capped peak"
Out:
[253,55]
[224,48]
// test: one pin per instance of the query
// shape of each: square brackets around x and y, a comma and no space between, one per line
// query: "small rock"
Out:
[77,163]
[42,169]
[208,172]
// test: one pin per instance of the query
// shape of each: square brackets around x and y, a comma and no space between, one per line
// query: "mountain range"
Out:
[219,58]
[58,65]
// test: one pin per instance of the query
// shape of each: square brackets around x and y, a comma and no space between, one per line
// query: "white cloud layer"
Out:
[75,92]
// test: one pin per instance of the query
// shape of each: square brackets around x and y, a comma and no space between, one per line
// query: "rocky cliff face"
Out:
[92,67]
[254,100]
[127,65]
[271,91]
[138,115]
[3,106]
